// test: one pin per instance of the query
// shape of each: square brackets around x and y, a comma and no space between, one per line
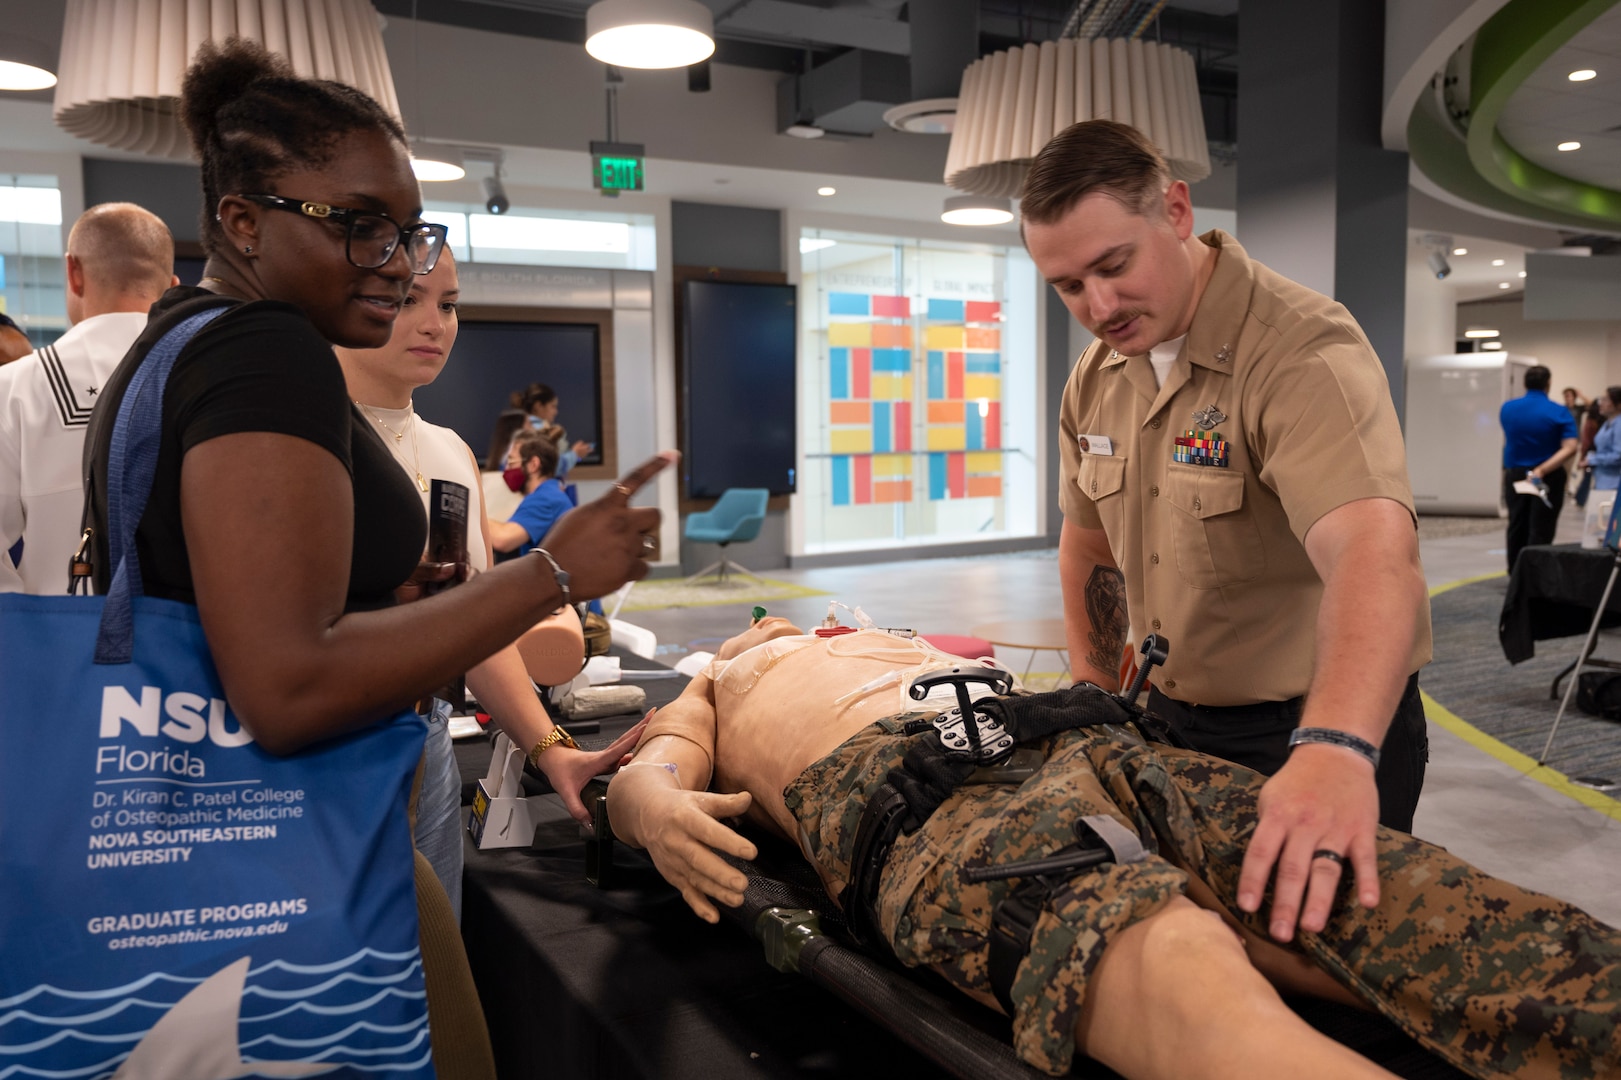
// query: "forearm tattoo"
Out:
[1106,608]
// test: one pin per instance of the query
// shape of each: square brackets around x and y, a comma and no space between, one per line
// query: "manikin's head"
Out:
[120,258]
[1111,231]
[767,629]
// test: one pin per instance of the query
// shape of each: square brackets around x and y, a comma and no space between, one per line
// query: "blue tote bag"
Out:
[176,903]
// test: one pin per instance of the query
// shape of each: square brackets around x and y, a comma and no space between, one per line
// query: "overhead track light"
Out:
[649,33]
[976,210]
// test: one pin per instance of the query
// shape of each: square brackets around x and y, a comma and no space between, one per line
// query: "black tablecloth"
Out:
[1552,594]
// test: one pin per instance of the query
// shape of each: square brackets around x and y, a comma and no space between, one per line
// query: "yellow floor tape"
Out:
[1523,764]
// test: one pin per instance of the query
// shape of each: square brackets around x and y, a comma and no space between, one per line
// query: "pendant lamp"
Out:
[649,33]
[123,60]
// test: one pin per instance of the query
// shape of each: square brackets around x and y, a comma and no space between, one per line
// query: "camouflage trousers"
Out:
[1498,980]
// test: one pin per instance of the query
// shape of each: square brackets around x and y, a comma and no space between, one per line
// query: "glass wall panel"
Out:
[918,403]
[32,291]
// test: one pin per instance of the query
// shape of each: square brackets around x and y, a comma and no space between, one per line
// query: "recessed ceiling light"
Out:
[1571,145]
[1491,345]
[827,191]
[1460,251]
[1502,284]
[1481,332]
[1522,273]
[1581,76]
[1497,262]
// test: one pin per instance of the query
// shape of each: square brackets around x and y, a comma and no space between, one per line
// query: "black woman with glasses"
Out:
[276,508]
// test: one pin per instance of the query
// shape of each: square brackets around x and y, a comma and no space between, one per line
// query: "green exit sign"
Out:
[617,166]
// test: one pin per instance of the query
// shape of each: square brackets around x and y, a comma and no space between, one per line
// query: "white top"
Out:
[45,403]
[500,501]
[439,454]
[1163,355]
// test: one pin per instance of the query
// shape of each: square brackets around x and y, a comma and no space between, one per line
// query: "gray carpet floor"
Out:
[1510,702]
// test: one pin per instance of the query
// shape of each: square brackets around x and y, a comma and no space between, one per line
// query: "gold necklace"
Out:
[399,436]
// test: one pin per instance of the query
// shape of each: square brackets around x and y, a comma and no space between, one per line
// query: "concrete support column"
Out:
[1319,199]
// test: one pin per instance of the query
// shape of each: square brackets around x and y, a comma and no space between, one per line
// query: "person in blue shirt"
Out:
[532,469]
[1605,457]
[1539,436]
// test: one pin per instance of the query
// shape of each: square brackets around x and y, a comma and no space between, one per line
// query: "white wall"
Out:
[1584,354]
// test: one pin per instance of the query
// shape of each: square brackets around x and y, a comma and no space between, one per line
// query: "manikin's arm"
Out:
[658,802]
[1094,605]
[1324,797]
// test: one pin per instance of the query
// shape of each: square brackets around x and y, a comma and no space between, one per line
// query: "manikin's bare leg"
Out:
[1176,997]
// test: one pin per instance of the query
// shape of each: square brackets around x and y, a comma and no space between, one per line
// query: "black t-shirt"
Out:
[259,367]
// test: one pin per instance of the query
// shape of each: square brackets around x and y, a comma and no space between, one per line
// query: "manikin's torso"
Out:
[787,703]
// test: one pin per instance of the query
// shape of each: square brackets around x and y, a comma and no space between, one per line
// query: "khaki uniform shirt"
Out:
[1214,557]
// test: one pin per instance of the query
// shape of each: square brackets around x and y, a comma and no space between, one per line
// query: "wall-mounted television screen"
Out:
[492,359]
[738,387]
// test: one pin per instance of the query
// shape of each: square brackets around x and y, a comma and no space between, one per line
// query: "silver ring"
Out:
[1331,856]
[648,543]
[623,490]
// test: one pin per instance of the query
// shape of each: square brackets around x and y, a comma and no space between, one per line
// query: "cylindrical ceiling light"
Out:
[1012,102]
[436,163]
[649,33]
[123,60]
[976,210]
[26,64]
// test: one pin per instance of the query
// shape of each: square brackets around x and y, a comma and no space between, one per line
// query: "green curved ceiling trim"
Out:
[1508,49]
[1441,154]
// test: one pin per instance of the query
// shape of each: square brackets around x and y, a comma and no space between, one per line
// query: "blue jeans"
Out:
[439,807]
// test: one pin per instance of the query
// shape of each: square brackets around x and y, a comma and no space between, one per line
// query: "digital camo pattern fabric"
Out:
[1496,979]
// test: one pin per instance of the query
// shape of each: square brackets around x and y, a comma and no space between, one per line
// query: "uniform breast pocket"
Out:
[1216,541]
[1102,480]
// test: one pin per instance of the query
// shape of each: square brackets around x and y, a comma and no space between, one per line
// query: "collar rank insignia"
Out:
[1208,417]
[1224,354]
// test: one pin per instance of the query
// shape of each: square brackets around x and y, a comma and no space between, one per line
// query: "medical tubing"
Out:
[928,659]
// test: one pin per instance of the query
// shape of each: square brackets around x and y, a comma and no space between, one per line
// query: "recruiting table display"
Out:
[175,902]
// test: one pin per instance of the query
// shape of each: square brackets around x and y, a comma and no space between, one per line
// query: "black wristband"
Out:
[1335,737]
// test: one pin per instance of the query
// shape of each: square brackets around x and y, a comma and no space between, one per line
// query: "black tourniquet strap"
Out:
[1013,920]
[880,823]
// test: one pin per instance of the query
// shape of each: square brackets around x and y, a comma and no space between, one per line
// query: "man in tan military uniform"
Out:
[1234,479]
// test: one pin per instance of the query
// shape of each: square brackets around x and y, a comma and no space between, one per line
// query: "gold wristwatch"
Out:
[558,735]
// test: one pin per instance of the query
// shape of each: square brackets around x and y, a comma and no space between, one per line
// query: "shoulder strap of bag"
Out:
[132,462]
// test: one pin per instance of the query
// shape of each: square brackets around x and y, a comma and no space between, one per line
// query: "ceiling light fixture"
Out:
[827,191]
[1012,102]
[1497,262]
[1481,332]
[1502,285]
[650,34]
[1582,75]
[1522,273]
[121,65]
[1491,346]
[433,164]
[976,210]
[26,64]
[1460,251]
[1569,146]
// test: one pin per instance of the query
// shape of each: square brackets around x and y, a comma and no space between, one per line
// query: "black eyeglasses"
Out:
[370,239]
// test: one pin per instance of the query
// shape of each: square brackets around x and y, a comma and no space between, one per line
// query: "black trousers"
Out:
[1257,736]
[1529,521]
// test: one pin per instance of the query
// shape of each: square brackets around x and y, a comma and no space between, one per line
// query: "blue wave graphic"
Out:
[65,1074]
[359,1051]
[380,1029]
[368,980]
[52,1040]
[163,1006]
[84,1018]
[322,969]
[337,1010]
[404,1066]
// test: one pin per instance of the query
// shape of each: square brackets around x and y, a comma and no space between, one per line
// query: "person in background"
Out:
[531,468]
[1538,438]
[1605,456]
[1575,403]
[381,381]
[499,500]
[541,403]
[120,260]
[14,344]
[1592,419]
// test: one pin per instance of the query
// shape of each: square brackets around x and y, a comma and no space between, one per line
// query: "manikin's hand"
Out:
[1323,799]
[570,770]
[682,832]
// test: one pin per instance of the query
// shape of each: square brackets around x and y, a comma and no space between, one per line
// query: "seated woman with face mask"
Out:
[531,469]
